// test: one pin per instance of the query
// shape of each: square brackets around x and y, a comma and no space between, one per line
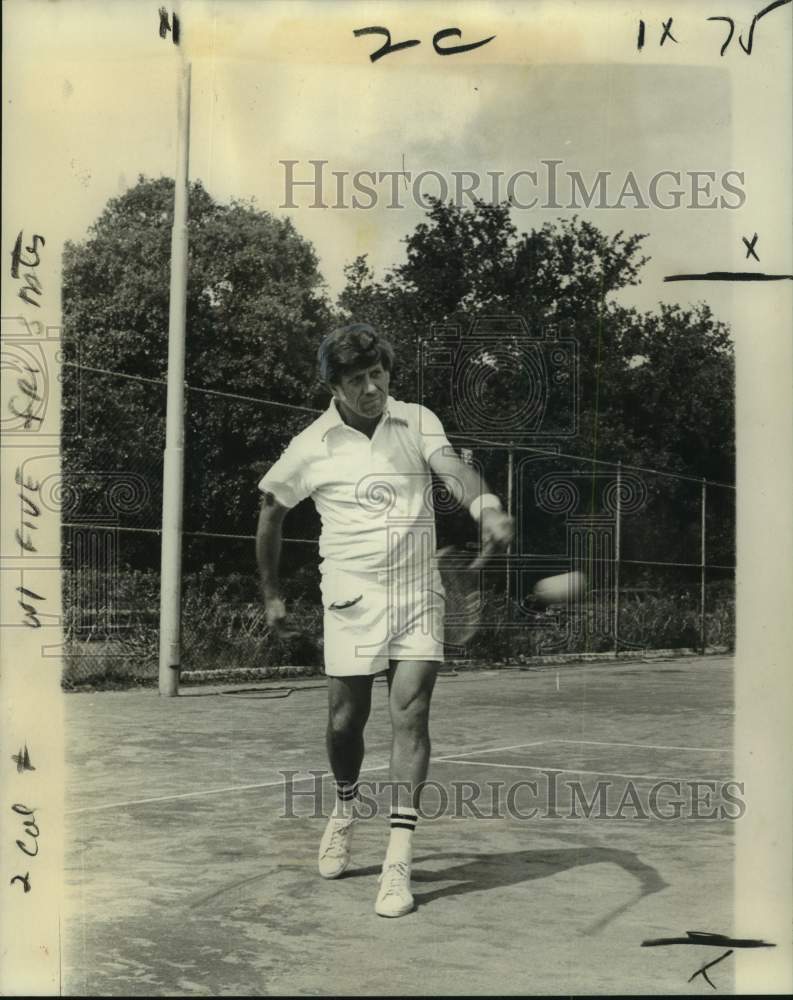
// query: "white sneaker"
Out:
[334,848]
[394,898]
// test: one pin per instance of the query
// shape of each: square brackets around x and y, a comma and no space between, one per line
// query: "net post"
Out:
[617,555]
[173,458]
[702,561]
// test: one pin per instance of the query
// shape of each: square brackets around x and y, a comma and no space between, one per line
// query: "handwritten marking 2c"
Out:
[389,47]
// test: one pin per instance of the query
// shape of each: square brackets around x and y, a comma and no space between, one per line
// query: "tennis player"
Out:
[367,463]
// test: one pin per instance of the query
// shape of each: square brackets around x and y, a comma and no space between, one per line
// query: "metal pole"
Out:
[173,458]
[617,554]
[511,512]
[702,569]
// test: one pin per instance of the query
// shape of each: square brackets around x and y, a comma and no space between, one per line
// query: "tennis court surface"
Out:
[184,876]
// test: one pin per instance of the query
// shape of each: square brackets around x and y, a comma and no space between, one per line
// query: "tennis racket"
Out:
[465,598]
[463,582]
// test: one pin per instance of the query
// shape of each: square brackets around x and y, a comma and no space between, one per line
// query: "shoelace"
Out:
[395,878]
[337,844]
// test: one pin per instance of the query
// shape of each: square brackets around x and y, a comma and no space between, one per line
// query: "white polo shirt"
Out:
[374,495]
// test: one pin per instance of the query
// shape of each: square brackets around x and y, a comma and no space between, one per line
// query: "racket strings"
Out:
[465,594]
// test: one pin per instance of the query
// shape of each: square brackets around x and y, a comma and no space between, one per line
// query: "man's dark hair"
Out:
[352,347]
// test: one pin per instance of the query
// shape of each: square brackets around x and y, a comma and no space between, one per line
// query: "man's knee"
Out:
[410,714]
[345,721]
[349,701]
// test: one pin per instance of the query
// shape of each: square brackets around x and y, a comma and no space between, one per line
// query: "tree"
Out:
[653,389]
[470,263]
[256,309]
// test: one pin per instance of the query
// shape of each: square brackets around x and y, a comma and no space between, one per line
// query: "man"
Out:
[367,463]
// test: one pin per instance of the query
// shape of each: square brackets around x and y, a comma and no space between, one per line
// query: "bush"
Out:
[224,626]
[652,621]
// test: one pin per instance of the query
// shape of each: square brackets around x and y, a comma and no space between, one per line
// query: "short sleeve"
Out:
[432,436]
[286,479]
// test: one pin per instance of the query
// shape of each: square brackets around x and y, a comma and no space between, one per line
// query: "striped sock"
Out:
[346,797]
[400,843]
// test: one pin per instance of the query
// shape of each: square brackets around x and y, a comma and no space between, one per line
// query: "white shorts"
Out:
[371,618]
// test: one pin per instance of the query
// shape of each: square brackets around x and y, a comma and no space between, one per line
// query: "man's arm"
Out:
[468,488]
[268,555]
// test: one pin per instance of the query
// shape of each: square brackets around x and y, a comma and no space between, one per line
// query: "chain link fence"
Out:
[657,547]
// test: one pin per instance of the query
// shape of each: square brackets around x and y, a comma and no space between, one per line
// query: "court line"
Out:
[173,798]
[446,758]
[646,746]
[515,746]
[206,792]
[561,770]
[263,784]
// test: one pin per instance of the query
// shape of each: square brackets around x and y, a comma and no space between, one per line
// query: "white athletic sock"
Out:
[400,843]
[346,798]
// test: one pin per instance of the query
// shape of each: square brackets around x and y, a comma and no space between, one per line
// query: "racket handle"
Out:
[488,550]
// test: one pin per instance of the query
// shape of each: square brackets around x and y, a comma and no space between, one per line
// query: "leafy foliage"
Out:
[654,389]
[256,310]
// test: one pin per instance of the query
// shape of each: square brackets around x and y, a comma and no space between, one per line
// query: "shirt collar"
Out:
[331,418]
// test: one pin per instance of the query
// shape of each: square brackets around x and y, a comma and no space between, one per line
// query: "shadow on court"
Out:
[476,873]
[188,875]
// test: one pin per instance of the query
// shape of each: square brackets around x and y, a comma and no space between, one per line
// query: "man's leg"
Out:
[349,702]
[410,687]
[410,683]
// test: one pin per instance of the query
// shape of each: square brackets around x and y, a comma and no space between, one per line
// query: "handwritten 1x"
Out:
[747,46]
[710,940]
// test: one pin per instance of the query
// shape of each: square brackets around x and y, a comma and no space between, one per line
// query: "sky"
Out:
[268,87]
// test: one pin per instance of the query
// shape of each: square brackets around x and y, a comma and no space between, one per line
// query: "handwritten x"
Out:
[750,245]
[704,970]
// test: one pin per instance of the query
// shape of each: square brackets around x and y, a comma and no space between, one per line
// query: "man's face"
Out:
[364,392]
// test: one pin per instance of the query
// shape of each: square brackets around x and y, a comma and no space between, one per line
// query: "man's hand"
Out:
[275,613]
[497,528]
[466,484]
